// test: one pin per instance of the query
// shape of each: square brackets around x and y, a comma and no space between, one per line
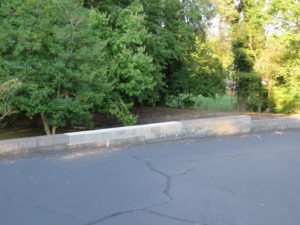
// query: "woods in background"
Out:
[72,58]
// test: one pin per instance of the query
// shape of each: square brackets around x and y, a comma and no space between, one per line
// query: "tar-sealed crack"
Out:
[145,210]
[166,176]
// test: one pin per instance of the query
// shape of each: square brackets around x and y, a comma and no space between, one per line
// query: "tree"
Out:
[129,68]
[249,40]
[50,53]
[279,61]
[204,73]
[174,27]
[246,19]
[280,67]
[7,92]
[285,14]
[72,61]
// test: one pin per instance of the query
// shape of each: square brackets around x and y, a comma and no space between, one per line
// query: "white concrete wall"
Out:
[150,132]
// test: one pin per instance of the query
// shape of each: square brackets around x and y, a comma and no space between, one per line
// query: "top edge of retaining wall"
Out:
[158,124]
[122,128]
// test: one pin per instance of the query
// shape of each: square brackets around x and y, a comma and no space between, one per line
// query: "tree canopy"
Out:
[265,44]
[64,60]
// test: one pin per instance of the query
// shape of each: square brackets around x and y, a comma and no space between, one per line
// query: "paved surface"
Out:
[241,180]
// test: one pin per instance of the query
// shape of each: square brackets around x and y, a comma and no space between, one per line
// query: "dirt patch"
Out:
[157,114]
[148,115]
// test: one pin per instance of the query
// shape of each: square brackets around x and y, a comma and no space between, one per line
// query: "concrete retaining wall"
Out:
[34,145]
[142,133]
[276,124]
[150,132]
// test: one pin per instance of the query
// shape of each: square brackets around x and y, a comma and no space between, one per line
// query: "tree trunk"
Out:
[54,130]
[45,123]
[269,94]
[259,107]
[242,103]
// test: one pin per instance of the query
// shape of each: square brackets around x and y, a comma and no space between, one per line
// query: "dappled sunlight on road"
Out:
[77,155]
[295,116]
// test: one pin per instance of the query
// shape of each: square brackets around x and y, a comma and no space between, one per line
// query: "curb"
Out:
[105,138]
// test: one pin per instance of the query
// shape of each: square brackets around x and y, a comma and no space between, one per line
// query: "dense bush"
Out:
[75,57]
[72,61]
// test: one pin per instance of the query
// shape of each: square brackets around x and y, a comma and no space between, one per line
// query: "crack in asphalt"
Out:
[166,176]
[183,173]
[39,207]
[145,210]
[102,219]
[173,217]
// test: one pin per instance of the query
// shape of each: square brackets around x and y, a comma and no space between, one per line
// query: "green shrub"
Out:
[219,103]
[182,101]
